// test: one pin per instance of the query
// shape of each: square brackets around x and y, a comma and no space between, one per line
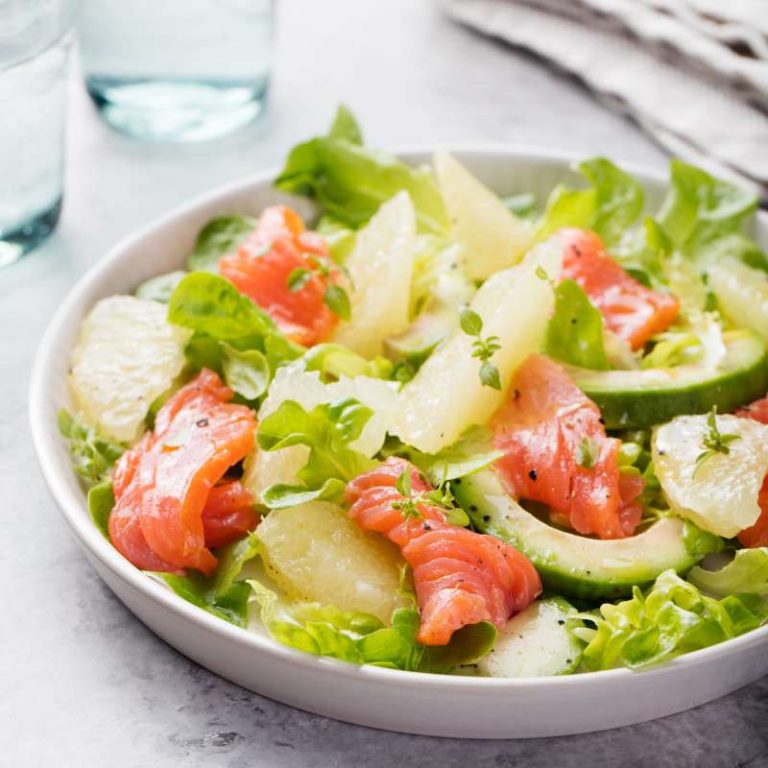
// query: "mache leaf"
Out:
[101,501]
[575,331]
[218,237]
[327,430]
[222,594]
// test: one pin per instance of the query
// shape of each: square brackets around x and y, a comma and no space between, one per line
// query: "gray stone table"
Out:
[82,682]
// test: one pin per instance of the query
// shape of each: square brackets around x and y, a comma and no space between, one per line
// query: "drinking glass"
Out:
[34,51]
[176,70]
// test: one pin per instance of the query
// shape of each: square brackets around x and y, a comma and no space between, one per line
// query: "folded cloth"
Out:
[692,73]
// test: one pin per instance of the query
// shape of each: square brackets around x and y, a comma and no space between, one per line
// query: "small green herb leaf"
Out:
[298,278]
[337,300]
[489,375]
[714,441]
[471,323]
[483,349]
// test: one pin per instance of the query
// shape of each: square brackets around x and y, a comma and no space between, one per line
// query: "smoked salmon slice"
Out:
[557,453]
[163,484]
[461,577]
[263,266]
[229,513]
[629,309]
[757,535]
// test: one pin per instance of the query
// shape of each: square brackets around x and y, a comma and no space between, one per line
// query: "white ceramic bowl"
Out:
[381,698]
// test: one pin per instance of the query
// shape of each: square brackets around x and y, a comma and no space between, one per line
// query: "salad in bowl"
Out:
[400,421]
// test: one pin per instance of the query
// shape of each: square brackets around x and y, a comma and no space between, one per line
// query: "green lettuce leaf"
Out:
[101,500]
[350,181]
[247,372]
[345,127]
[360,638]
[217,238]
[232,335]
[670,619]
[335,361]
[746,573]
[472,452]
[610,205]
[619,199]
[211,305]
[92,456]
[575,331]
[673,348]
[327,431]
[704,217]
[160,288]
[222,594]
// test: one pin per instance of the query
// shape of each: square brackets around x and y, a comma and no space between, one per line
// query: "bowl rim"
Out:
[45,437]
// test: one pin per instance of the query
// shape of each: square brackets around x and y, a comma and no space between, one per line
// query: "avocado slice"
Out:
[642,398]
[575,565]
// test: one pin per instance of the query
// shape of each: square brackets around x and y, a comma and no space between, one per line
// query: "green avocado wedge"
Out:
[642,398]
[577,566]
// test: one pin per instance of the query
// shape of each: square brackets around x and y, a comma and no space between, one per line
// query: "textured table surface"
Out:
[82,682]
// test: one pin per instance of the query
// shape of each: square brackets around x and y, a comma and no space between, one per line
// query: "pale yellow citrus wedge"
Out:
[719,491]
[380,269]
[127,355]
[314,552]
[446,396]
[492,238]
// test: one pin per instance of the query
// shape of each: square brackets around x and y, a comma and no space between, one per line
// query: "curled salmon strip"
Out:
[164,483]
[461,577]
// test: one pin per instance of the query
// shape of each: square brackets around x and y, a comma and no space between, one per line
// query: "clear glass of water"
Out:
[176,70]
[34,51]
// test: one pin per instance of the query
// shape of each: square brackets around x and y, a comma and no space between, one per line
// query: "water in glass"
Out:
[34,48]
[180,70]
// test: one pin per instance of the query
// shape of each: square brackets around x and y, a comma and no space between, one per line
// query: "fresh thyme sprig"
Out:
[714,441]
[482,348]
[335,297]
[587,453]
[440,497]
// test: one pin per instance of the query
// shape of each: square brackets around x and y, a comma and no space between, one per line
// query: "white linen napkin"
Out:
[693,73]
